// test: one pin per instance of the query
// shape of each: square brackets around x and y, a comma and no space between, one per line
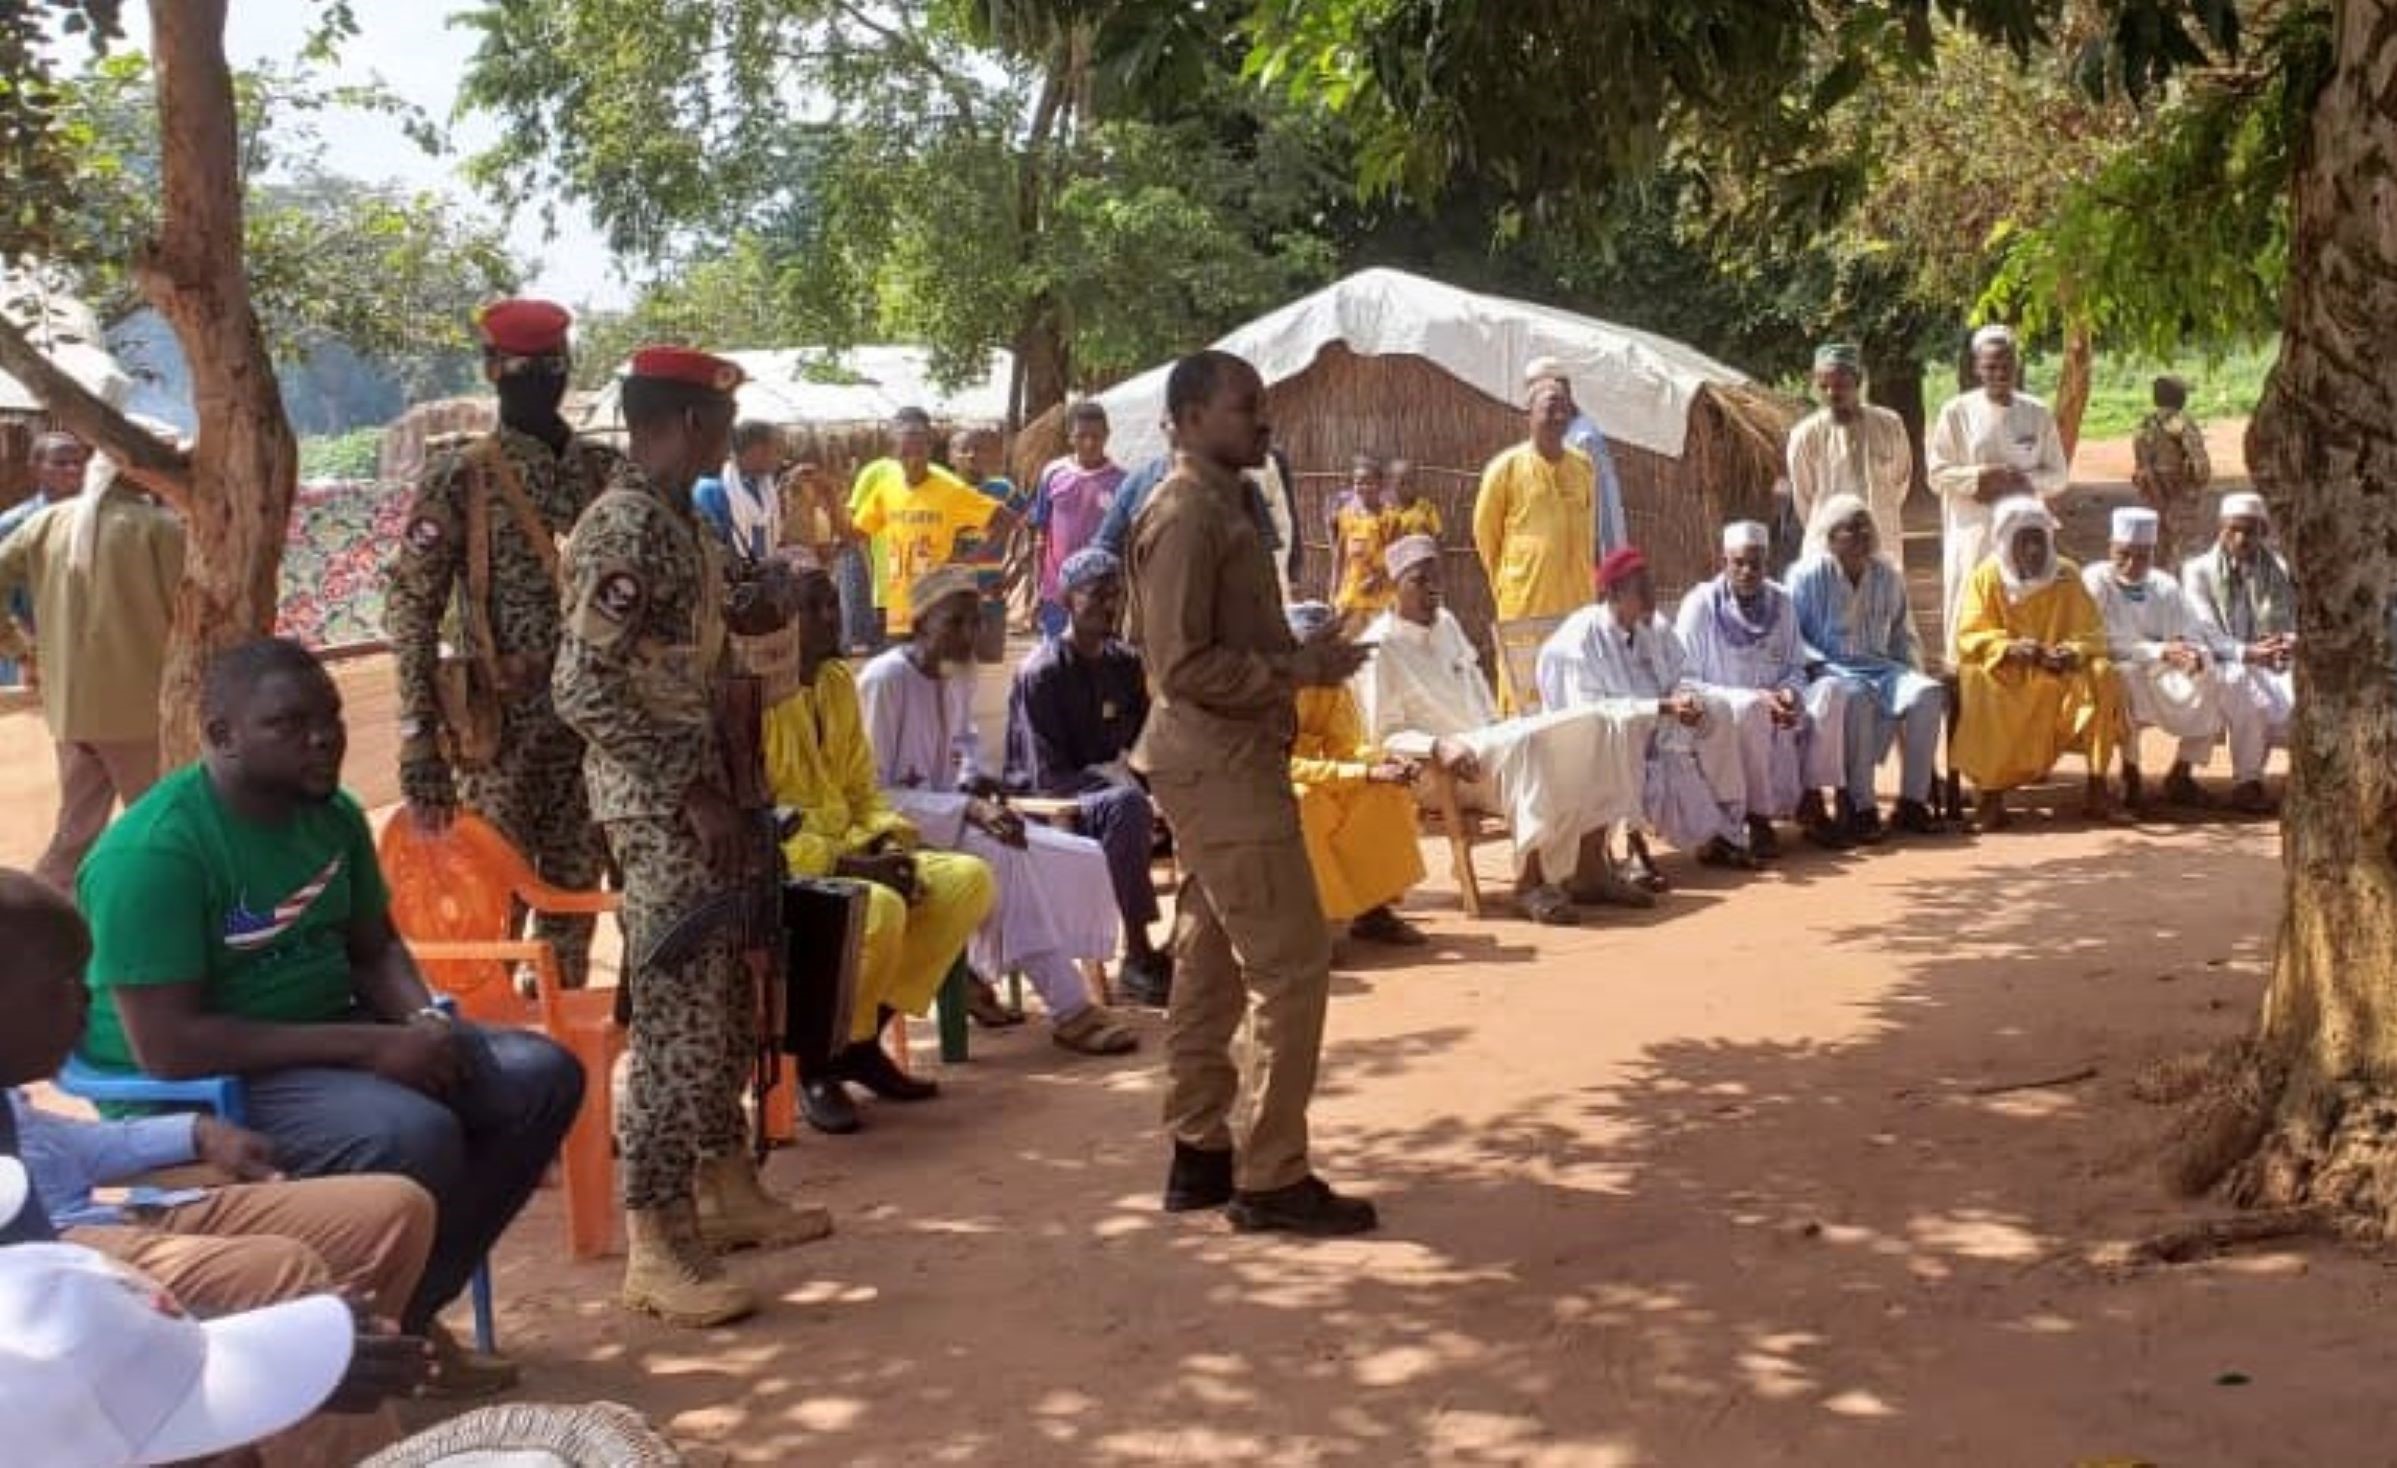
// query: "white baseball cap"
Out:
[100,1368]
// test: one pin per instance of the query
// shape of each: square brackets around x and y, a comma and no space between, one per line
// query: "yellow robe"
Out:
[1360,536]
[1535,527]
[1360,836]
[2016,720]
[817,762]
[1419,518]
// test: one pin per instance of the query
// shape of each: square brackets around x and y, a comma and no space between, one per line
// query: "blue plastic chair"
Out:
[223,1095]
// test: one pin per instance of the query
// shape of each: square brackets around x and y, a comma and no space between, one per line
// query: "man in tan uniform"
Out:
[1206,613]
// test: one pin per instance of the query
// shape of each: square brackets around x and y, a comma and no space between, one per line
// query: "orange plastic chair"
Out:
[453,900]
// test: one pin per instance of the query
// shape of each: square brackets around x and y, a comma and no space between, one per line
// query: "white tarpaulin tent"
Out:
[1637,385]
[869,384]
[68,333]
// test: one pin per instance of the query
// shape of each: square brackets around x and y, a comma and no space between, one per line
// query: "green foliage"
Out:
[2187,236]
[352,455]
[389,273]
[965,173]
[2228,383]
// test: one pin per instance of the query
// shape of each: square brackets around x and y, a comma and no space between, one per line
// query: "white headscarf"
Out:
[2013,515]
[1831,512]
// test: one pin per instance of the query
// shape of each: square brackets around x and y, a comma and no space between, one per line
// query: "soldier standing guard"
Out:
[637,678]
[477,569]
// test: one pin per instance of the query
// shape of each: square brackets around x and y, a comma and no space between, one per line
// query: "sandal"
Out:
[982,1002]
[1095,1031]
[1549,907]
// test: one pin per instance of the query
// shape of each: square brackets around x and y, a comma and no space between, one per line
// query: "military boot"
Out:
[669,1273]
[736,1211]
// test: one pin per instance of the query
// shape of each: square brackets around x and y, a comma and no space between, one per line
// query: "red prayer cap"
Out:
[1620,565]
[687,366]
[524,327]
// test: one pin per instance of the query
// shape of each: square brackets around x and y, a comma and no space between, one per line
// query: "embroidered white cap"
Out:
[2245,505]
[1742,535]
[2135,525]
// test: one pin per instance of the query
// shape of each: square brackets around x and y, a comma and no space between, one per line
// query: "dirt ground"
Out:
[1765,1176]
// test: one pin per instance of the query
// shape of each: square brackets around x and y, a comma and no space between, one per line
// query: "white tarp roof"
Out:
[885,379]
[1638,386]
[68,333]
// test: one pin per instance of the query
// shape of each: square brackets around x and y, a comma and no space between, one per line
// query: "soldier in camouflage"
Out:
[644,648]
[506,497]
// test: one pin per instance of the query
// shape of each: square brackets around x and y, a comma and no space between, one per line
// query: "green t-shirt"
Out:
[182,889]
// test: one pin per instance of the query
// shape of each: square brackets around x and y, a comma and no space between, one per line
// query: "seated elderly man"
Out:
[2246,605]
[922,906]
[1851,604]
[1696,789]
[1355,807]
[1055,905]
[2032,665]
[1563,778]
[240,925]
[1079,701]
[1741,633]
[2171,680]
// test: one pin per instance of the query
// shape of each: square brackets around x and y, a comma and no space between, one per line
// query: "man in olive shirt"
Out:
[101,568]
[1206,612]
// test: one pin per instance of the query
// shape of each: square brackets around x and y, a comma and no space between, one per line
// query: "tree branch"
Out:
[147,461]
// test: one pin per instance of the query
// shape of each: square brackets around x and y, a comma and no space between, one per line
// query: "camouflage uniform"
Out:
[636,676]
[533,790]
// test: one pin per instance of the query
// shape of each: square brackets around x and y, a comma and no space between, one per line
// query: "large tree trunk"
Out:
[1897,384]
[2309,1115]
[244,461]
[2072,386]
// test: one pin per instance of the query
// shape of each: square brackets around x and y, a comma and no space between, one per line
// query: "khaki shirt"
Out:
[643,648]
[101,630]
[1206,613]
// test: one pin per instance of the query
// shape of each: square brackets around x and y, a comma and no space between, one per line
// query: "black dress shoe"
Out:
[827,1107]
[1147,981]
[871,1066]
[1307,1207]
[1764,843]
[1198,1179]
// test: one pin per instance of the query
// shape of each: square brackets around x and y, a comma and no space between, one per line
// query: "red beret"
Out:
[524,327]
[687,366]
[1621,564]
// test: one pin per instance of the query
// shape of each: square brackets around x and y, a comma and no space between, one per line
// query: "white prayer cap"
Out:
[1408,552]
[2244,506]
[1544,369]
[2135,525]
[1995,334]
[1742,535]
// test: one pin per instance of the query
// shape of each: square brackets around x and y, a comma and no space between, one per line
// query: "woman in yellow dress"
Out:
[2034,677]
[1356,809]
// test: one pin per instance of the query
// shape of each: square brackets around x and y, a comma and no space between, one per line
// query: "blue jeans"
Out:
[479,1151]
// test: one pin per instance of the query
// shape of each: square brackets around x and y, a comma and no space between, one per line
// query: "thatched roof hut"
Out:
[1405,367]
[834,407]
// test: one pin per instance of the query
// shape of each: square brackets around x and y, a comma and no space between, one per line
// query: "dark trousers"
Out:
[479,1151]
[1124,823]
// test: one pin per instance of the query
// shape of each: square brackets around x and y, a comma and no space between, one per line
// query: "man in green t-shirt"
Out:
[240,925]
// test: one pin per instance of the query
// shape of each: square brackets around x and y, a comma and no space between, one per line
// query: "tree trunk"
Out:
[244,461]
[1897,384]
[2072,387]
[2309,1115]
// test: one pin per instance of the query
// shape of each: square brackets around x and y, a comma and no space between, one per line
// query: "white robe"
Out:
[1869,456]
[2271,692]
[1973,433]
[2193,708]
[1055,897]
[1695,788]
[1779,765]
[1556,776]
